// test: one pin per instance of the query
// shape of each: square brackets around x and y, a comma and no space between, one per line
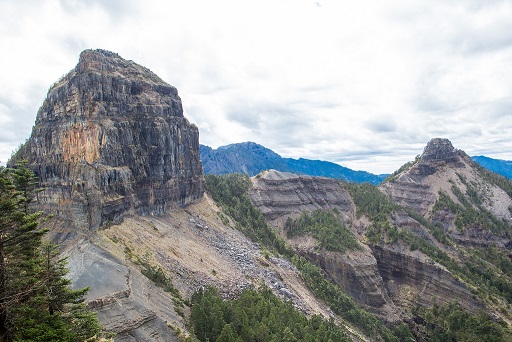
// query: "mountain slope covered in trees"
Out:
[441,321]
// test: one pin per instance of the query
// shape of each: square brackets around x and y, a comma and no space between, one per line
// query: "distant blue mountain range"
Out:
[252,158]
[502,167]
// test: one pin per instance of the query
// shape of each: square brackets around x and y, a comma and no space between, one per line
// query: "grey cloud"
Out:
[383,125]
[498,109]
[72,44]
[474,40]
[116,9]
[22,115]
[17,129]
[263,115]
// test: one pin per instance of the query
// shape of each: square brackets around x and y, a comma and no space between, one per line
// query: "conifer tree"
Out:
[36,303]
[20,238]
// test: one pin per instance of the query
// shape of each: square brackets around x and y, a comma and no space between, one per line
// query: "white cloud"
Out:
[364,83]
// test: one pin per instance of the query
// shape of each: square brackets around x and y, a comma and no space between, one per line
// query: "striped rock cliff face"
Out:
[443,169]
[111,139]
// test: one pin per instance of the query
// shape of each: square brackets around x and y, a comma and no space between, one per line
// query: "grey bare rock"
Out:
[111,139]
[282,194]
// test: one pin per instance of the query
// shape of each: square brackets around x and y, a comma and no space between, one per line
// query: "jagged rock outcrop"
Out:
[443,169]
[439,149]
[417,187]
[111,139]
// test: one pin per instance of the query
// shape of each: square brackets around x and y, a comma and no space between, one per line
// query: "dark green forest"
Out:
[36,303]
[256,316]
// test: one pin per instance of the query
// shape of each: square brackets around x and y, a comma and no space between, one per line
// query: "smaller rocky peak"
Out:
[274,175]
[438,149]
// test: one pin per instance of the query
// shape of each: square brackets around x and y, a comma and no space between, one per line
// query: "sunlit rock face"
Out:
[110,139]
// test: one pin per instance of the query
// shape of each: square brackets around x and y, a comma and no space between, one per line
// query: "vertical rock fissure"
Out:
[101,142]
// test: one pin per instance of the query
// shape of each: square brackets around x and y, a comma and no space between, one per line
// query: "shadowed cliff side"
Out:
[111,139]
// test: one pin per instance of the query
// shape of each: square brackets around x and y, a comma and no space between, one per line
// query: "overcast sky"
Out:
[362,83]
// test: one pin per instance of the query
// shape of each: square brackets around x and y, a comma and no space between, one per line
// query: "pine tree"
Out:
[228,334]
[26,183]
[36,303]
[20,238]
[56,286]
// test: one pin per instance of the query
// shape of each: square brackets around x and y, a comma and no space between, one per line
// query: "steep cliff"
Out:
[111,139]
[281,194]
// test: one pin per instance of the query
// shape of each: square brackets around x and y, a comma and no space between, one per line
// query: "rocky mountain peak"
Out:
[438,149]
[104,84]
[111,64]
[110,139]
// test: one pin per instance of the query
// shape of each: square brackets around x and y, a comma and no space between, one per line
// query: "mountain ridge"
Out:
[252,158]
[499,166]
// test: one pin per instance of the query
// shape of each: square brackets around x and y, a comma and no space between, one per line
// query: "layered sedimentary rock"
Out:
[357,273]
[442,169]
[417,188]
[412,279]
[111,139]
[280,194]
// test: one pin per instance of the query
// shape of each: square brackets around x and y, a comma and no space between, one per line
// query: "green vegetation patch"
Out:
[330,231]
[370,201]
[377,206]
[256,316]
[230,192]
[450,322]
[469,216]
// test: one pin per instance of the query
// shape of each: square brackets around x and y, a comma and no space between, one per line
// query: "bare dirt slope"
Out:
[194,248]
